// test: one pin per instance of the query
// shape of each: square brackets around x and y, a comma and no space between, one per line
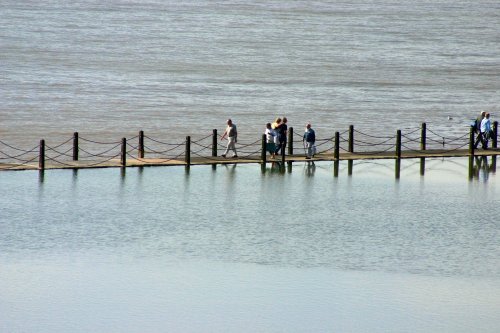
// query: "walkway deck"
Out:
[144,162]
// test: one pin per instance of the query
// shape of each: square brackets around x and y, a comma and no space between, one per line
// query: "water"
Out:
[233,249]
[157,249]
[109,69]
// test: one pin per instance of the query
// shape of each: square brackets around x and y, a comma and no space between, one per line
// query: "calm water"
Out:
[109,69]
[158,250]
[233,249]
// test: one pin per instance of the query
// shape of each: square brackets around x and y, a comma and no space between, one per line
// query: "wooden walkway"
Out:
[144,162]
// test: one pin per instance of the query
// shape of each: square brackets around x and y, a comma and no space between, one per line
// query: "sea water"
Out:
[176,68]
[159,249]
[235,249]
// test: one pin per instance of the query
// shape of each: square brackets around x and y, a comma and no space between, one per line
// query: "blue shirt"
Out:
[485,125]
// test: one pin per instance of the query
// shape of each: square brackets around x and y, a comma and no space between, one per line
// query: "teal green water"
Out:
[366,242]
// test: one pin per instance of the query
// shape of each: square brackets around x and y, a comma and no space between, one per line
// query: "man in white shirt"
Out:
[232,136]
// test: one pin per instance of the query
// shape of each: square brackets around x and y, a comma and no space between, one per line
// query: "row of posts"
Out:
[350,148]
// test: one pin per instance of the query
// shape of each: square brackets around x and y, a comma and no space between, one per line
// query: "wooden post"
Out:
[75,146]
[187,157]
[41,156]
[214,142]
[398,154]
[494,138]
[471,166]
[350,164]
[264,150]
[290,141]
[351,139]
[423,137]
[123,158]
[141,144]
[398,168]
[282,155]
[423,146]
[263,154]
[471,141]
[336,155]
[336,152]
[290,147]
[398,144]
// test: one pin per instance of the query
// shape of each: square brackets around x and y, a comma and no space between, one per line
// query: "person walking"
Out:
[477,129]
[309,139]
[232,138]
[485,130]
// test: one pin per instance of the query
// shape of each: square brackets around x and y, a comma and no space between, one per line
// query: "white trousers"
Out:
[231,145]
[311,149]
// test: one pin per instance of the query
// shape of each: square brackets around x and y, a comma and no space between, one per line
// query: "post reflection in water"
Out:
[123,174]
[41,176]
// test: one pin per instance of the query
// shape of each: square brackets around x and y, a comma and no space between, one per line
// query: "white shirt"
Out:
[270,135]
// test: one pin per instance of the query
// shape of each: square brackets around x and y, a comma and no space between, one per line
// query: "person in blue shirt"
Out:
[486,130]
[309,139]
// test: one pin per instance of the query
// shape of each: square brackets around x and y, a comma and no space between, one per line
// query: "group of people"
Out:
[482,127]
[276,138]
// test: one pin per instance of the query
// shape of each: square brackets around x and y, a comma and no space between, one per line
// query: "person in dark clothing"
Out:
[282,131]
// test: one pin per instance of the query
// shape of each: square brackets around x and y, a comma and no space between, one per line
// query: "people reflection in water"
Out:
[482,169]
[310,169]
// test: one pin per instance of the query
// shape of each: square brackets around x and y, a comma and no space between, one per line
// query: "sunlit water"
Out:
[160,250]
[234,249]
[108,69]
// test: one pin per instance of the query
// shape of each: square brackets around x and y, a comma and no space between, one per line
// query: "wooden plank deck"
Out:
[208,160]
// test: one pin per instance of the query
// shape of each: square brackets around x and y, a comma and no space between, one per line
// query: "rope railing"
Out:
[12,166]
[87,151]
[99,142]
[16,157]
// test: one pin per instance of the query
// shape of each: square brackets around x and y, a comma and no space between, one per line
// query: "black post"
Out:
[264,150]
[471,167]
[471,141]
[141,144]
[336,152]
[423,137]
[290,141]
[398,144]
[75,146]
[214,142]
[282,155]
[336,168]
[350,164]
[494,141]
[351,139]
[398,154]
[423,146]
[123,159]
[188,151]
[41,157]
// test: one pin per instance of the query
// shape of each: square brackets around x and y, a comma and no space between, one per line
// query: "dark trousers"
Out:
[483,138]
[480,138]
[280,146]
